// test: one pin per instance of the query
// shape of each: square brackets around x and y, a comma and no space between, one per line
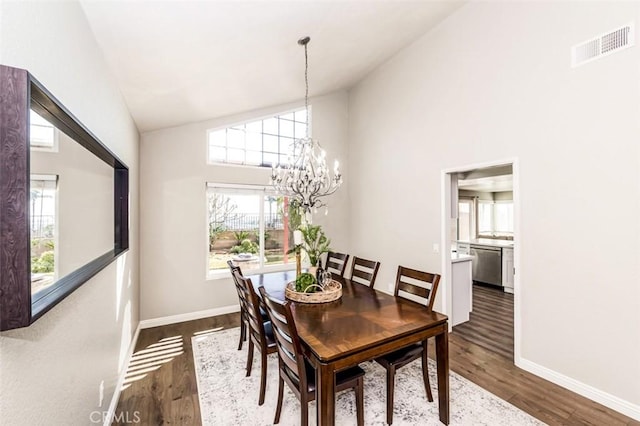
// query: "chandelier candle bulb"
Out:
[297,237]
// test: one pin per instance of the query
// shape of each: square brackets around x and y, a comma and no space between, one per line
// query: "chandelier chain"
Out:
[306,87]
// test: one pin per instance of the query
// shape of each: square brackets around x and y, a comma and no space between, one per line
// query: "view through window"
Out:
[495,218]
[43,231]
[251,226]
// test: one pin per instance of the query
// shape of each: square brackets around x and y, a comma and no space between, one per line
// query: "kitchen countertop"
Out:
[459,257]
[491,242]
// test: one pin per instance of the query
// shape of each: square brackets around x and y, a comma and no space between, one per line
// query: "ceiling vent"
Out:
[603,45]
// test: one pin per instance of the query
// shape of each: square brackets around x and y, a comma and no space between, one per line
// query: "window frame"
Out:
[240,189]
[261,119]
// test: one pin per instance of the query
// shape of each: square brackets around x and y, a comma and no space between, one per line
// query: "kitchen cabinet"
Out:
[508,269]
[462,288]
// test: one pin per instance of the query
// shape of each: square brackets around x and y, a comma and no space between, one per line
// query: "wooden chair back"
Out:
[364,271]
[412,281]
[233,268]
[254,318]
[336,263]
[290,356]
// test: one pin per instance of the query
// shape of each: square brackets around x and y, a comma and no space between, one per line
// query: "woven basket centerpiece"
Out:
[331,291]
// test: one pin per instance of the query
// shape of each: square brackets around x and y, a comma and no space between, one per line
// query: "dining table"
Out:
[360,326]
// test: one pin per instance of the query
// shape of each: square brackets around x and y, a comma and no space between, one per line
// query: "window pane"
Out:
[217,154]
[235,138]
[41,136]
[464,220]
[254,158]
[270,159]
[301,116]
[278,232]
[284,159]
[287,116]
[286,128]
[270,143]
[43,227]
[254,141]
[254,127]
[485,217]
[286,145]
[234,222]
[504,217]
[300,130]
[270,126]
[235,156]
[218,138]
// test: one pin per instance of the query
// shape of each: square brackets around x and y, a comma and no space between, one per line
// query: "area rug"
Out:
[227,397]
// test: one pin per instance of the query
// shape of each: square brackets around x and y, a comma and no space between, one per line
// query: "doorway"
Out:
[481,211]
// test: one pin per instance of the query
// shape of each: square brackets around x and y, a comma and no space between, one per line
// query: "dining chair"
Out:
[364,271]
[241,301]
[406,283]
[260,332]
[295,369]
[243,305]
[336,263]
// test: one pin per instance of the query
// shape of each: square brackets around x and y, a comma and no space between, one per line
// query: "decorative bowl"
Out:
[332,291]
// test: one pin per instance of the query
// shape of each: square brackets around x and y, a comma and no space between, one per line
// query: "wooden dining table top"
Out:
[360,319]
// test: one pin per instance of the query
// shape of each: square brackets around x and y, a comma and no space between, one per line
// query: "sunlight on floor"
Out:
[152,357]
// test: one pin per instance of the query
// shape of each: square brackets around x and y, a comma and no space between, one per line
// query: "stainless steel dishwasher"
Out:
[487,264]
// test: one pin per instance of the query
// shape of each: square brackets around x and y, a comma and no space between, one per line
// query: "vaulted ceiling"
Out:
[185,61]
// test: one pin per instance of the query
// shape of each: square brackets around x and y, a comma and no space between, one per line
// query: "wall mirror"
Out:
[64,209]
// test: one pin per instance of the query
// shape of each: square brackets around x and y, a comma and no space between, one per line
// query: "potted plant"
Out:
[314,242]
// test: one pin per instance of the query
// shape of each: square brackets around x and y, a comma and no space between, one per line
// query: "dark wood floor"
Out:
[163,391]
[490,323]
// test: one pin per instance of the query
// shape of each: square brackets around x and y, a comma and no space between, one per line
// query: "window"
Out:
[465,220]
[261,143]
[43,135]
[251,226]
[42,215]
[495,218]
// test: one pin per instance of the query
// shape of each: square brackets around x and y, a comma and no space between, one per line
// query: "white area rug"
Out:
[227,397]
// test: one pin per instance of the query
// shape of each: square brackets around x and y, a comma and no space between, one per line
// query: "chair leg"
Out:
[391,378]
[360,401]
[425,372]
[243,330]
[279,406]
[304,412]
[263,376]
[249,358]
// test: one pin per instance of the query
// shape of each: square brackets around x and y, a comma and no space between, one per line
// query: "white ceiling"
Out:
[185,61]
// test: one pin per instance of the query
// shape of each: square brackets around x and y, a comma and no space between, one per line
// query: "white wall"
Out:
[494,82]
[50,372]
[174,172]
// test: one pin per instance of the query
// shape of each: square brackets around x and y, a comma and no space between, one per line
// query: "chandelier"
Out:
[305,179]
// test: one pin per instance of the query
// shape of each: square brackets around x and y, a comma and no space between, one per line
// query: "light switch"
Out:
[436,248]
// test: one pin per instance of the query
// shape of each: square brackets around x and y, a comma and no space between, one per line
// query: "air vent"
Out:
[603,45]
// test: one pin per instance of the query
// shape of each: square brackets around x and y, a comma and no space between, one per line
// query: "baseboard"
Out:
[172,319]
[116,393]
[615,403]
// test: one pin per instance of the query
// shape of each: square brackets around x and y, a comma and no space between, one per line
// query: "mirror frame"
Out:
[19,92]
